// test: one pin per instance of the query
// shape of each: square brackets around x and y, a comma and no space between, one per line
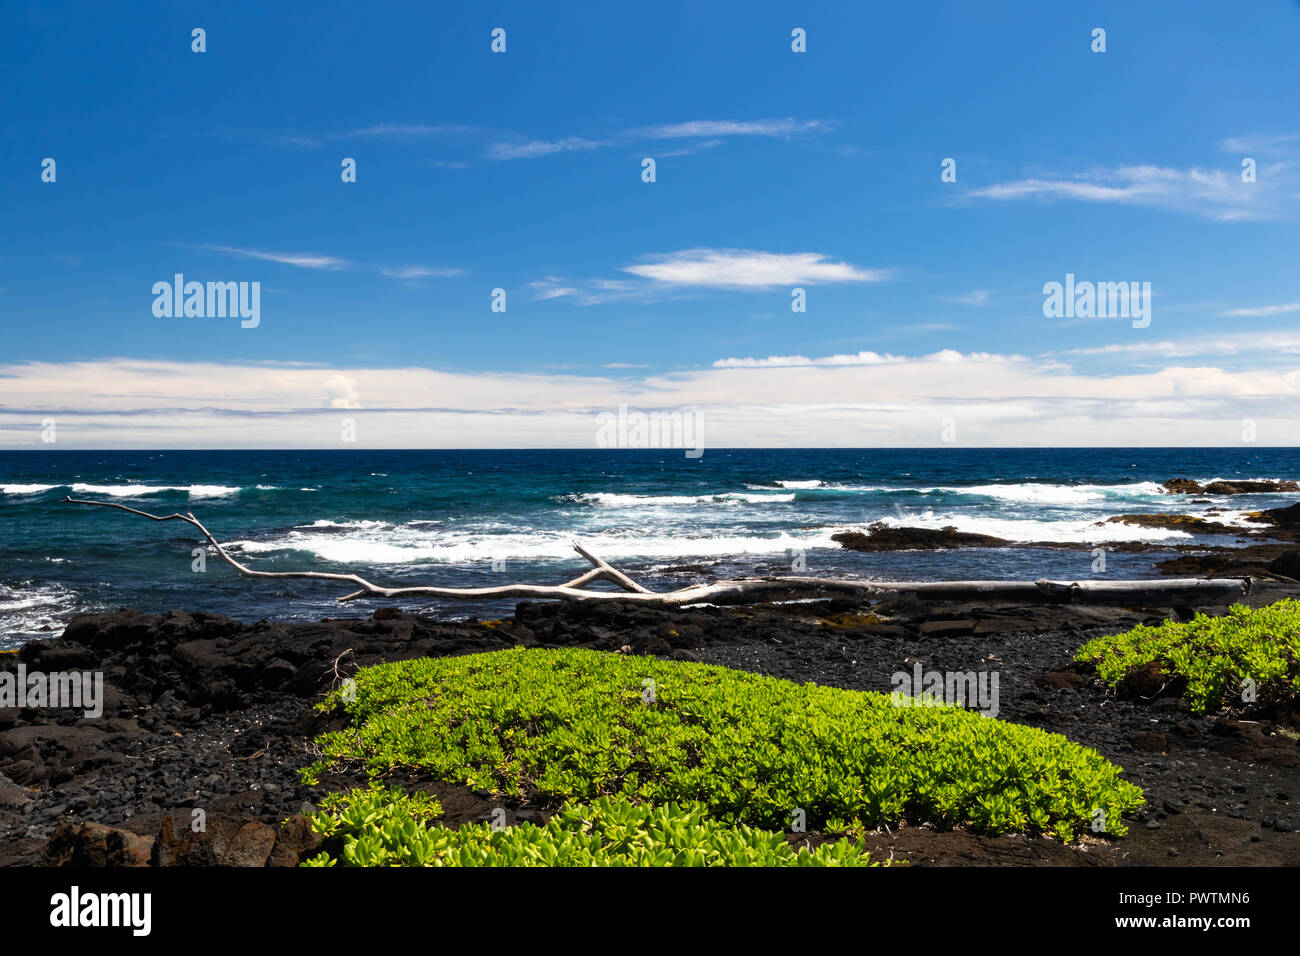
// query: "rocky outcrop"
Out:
[1173,522]
[1186,486]
[93,844]
[882,537]
[1281,523]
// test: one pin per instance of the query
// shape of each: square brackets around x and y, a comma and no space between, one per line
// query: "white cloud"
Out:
[1216,193]
[552,287]
[785,361]
[713,132]
[1283,144]
[1263,344]
[974,297]
[1265,310]
[748,269]
[405,130]
[419,272]
[341,392]
[779,128]
[537,147]
[303,260]
[689,149]
[308,260]
[832,401]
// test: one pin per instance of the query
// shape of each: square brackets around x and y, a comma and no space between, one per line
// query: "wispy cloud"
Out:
[315,261]
[1265,310]
[1269,144]
[552,288]
[712,132]
[504,145]
[1257,343]
[777,128]
[1215,193]
[691,271]
[406,131]
[974,297]
[748,269]
[419,272]
[537,147]
[928,327]
[689,150]
[302,260]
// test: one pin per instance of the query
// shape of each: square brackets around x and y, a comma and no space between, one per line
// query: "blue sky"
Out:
[775,170]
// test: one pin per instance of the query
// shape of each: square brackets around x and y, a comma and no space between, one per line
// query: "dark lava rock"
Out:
[1173,522]
[1150,742]
[1284,522]
[170,742]
[227,840]
[882,537]
[1150,681]
[947,628]
[92,844]
[883,630]
[1286,565]
[1186,486]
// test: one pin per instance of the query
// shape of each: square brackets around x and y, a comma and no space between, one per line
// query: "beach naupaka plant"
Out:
[1246,656]
[555,726]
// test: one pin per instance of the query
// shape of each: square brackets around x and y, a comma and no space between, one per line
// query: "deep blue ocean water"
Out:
[478,518]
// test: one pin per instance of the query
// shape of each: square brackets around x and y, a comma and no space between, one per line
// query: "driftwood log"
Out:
[1181,591]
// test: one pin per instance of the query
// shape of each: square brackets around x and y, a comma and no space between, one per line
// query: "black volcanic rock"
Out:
[1186,486]
[882,537]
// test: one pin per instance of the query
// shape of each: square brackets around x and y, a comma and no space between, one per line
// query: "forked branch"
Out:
[754,590]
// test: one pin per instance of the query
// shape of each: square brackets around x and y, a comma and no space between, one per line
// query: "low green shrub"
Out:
[577,725]
[1215,655]
[378,827]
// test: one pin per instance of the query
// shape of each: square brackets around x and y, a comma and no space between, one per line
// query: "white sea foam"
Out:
[137,491]
[1208,481]
[1035,493]
[612,500]
[326,523]
[35,608]
[404,546]
[1030,492]
[25,489]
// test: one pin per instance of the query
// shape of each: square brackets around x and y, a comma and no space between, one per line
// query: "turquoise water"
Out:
[480,518]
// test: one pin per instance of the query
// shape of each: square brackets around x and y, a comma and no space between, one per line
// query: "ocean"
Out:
[483,518]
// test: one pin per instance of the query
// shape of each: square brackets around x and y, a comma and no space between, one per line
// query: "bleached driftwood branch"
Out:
[756,590]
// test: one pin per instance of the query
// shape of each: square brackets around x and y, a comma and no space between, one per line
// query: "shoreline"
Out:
[202,712]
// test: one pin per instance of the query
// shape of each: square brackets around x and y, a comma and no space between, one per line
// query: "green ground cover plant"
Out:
[1214,655]
[568,725]
[375,826]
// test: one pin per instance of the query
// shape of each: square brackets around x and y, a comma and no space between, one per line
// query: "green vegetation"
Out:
[378,827]
[1214,655]
[557,726]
